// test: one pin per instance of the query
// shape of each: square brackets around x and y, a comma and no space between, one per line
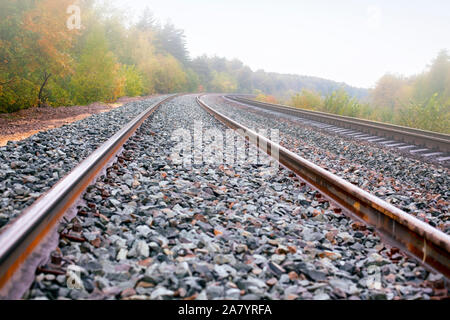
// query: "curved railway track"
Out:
[418,142]
[26,242]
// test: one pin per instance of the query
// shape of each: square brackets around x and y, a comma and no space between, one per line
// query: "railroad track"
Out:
[427,244]
[26,242]
[409,183]
[425,144]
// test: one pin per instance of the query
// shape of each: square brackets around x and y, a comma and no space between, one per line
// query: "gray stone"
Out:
[161,292]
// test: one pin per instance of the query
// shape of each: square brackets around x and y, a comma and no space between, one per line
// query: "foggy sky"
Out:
[353,41]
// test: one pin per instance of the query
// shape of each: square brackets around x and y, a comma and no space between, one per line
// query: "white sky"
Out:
[353,41]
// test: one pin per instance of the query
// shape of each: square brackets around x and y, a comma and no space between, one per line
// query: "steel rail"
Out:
[31,230]
[425,243]
[429,139]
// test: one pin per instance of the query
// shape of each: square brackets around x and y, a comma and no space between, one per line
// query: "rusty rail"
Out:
[427,244]
[429,139]
[31,231]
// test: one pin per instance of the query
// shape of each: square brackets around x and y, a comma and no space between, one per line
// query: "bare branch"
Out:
[46,77]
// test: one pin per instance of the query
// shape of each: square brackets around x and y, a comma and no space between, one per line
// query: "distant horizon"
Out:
[352,42]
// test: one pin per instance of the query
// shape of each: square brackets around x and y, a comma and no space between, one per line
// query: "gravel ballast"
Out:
[419,188]
[154,229]
[30,167]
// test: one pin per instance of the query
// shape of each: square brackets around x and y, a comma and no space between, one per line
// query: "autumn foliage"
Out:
[43,62]
[421,101]
[266,98]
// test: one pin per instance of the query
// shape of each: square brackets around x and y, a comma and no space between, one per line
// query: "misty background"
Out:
[379,60]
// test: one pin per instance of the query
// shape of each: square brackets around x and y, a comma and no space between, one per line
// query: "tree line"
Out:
[420,101]
[45,63]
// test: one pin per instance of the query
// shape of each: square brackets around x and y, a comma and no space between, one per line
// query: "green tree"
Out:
[97,71]
[134,85]
[307,99]
[169,75]
[223,82]
[172,40]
